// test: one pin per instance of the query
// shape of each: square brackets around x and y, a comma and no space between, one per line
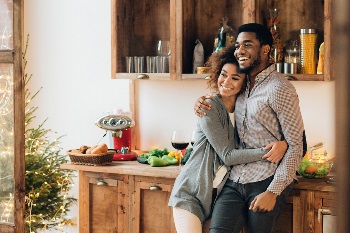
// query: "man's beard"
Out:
[247,70]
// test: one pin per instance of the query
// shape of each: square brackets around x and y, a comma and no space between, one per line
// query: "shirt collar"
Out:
[263,74]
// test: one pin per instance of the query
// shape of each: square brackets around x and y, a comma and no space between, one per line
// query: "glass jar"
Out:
[292,56]
[292,52]
[308,52]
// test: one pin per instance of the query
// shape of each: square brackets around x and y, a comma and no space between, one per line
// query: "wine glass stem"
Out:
[180,153]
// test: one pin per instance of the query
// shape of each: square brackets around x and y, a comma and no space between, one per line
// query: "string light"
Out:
[47,199]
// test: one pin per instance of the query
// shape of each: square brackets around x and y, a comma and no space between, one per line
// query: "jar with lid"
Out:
[292,57]
[308,52]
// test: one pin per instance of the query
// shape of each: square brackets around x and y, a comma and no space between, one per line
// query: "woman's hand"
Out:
[202,104]
[278,149]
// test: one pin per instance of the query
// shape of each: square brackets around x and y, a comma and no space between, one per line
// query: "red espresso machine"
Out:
[120,126]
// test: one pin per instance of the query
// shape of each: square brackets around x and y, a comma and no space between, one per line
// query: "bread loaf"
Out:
[83,149]
[100,149]
[96,150]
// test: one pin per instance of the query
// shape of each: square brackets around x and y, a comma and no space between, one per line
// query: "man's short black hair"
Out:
[262,33]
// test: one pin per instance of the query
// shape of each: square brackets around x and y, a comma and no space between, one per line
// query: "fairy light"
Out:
[41,151]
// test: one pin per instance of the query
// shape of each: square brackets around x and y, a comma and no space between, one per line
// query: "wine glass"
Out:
[193,137]
[163,48]
[180,140]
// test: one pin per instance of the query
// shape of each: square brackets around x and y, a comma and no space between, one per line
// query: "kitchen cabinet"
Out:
[131,197]
[137,25]
[313,199]
[150,207]
[103,202]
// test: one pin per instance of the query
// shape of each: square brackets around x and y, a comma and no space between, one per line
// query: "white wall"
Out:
[69,56]
[165,106]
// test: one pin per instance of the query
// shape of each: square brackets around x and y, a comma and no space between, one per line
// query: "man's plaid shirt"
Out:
[269,112]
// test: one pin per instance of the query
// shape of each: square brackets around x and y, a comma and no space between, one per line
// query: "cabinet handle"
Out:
[154,188]
[322,212]
[101,182]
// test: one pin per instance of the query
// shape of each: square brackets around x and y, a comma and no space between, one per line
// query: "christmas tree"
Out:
[47,186]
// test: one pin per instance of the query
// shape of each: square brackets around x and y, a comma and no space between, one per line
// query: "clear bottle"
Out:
[308,52]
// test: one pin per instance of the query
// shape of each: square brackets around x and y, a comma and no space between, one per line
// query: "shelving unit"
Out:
[137,25]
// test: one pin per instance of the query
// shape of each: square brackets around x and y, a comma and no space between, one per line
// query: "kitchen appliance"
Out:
[120,127]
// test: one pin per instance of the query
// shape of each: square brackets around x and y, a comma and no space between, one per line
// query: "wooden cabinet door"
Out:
[308,209]
[151,213]
[103,203]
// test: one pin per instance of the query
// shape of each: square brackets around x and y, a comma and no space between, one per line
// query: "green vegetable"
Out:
[186,155]
[319,173]
[155,161]
[144,156]
[170,160]
[142,159]
[305,163]
[159,153]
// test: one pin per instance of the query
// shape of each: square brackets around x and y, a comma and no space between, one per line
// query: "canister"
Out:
[308,52]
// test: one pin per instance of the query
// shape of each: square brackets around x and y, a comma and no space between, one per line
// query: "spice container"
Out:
[273,23]
[308,58]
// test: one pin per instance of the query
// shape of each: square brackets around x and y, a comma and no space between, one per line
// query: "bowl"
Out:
[90,159]
[313,169]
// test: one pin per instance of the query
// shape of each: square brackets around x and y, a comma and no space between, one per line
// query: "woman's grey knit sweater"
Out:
[215,145]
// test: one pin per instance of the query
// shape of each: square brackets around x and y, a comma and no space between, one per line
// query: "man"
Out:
[268,110]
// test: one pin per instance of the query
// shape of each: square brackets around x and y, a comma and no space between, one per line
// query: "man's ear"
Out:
[266,49]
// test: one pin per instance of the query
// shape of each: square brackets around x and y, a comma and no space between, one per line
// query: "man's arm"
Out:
[200,104]
[285,103]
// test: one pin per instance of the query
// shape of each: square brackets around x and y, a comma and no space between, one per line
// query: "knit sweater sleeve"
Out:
[215,126]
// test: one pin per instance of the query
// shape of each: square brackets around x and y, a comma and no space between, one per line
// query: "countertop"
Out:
[138,169]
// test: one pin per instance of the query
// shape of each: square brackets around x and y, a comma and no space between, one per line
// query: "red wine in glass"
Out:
[180,145]
[180,140]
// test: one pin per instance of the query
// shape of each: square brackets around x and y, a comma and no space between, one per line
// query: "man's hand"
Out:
[263,202]
[202,104]
[278,149]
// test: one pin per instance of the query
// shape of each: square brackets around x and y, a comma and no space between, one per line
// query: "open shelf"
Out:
[138,24]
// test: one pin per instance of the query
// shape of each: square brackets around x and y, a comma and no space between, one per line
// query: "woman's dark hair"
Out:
[262,33]
[216,61]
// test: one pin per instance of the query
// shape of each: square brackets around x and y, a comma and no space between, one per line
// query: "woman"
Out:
[215,148]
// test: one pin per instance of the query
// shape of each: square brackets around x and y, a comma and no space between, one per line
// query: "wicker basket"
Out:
[91,159]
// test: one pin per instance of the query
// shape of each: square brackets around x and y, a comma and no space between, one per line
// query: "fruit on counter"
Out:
[155,161]
[311,169]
